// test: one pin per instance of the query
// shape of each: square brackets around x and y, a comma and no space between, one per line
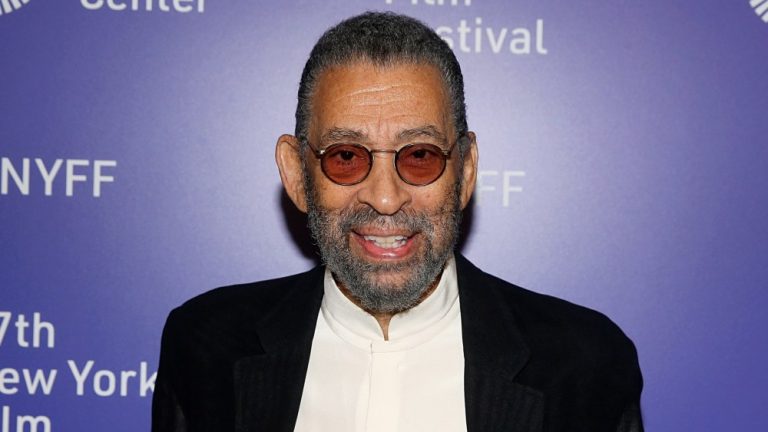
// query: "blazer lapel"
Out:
[494,353]
[268,386]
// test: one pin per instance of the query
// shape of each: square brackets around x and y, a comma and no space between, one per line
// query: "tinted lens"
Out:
[420,164]
[346,163]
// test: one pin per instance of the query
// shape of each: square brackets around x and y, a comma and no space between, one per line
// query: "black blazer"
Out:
[235,359]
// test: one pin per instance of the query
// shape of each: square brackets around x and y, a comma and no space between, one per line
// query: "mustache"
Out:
[352,218]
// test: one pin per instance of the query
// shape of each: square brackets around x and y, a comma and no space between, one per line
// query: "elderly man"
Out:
[395,332]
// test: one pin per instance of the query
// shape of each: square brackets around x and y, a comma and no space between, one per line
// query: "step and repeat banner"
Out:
[623,166]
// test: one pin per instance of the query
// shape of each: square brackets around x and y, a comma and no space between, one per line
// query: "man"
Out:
[394,332]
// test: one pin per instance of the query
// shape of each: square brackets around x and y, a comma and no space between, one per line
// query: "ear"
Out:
[288,161]
[469,170]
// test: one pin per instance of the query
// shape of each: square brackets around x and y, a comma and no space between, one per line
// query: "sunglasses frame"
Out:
[319,153]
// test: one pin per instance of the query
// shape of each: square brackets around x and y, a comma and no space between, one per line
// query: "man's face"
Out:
[385,241]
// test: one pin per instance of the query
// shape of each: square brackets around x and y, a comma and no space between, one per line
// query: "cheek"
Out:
[440,195]
[428,201]
[331,196]
[434,202]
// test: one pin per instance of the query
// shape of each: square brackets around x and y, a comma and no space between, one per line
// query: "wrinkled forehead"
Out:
[380,102]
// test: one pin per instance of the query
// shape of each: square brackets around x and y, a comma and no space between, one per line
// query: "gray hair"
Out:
[385,39]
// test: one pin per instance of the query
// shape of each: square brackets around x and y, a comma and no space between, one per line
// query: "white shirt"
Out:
[414,382]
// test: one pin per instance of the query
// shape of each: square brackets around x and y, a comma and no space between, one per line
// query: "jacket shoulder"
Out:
[561,334]
[582,362]
[254,299]
[229,318]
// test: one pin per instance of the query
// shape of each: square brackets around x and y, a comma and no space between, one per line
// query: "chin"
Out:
[390,280]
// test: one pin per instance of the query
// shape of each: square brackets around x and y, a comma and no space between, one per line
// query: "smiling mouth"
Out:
[388,246]
[387,242]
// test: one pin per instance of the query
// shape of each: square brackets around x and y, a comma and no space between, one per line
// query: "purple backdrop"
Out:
[623,159]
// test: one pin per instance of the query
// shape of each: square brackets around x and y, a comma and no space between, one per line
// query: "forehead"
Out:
[380,102]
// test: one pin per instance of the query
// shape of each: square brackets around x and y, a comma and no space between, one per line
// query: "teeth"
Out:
[388,242]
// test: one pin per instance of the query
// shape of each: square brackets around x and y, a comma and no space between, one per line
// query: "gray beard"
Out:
[332,229]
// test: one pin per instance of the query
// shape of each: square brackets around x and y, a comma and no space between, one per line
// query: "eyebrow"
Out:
[339,134]
[426,131]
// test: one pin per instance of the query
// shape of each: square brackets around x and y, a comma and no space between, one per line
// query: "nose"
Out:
[383,189]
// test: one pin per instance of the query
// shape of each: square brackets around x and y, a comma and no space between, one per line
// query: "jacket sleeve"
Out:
[167,412]
[631,419]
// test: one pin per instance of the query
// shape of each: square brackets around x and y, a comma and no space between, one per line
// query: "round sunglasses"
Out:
[349,164]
